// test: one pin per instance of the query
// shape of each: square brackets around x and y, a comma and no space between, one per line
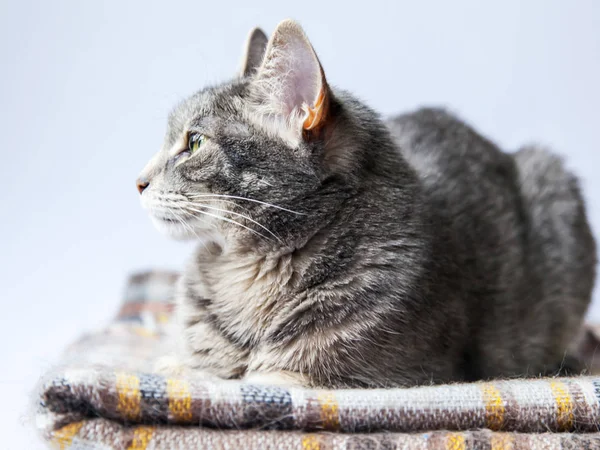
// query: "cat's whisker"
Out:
[233,203]
[231,221]
[247,199]
[185,199]
[204,221]
[186,225]
[180,220]
[183,223]
[239,215]
[189,206]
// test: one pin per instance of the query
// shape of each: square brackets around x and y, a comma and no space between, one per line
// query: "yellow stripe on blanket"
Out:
[129,396]
[329,410]
[564,404]
[455,441]
[180,400]
[141,438]
[63,437]
[311,442]
[494,407]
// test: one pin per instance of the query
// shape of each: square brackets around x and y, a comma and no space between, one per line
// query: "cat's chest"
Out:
[245,293]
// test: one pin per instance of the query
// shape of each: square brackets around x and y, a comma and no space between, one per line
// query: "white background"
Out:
[86,87]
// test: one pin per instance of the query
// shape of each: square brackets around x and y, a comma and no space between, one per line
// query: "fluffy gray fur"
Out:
[362,253]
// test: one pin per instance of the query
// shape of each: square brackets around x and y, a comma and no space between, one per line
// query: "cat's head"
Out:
[261,159]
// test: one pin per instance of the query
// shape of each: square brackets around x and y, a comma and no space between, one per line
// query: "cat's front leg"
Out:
[199,350]
[206,349]
[202,348]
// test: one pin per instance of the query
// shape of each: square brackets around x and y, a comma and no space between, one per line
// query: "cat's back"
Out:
[521,233]
[440,146]
[466,180]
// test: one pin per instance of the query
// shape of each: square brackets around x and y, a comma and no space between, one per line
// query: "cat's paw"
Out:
[170,365]
[279,378]
[174,366]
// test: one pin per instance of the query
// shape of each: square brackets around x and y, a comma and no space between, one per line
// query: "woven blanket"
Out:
[104,395]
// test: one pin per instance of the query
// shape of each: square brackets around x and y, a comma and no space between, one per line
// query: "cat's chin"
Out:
[180,232]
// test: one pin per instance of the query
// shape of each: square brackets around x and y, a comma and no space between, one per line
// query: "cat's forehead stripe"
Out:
[202,110]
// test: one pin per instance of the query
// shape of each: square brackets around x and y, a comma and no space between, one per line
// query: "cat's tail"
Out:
[561,248]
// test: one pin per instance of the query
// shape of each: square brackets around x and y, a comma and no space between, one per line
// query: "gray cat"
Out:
[338,250]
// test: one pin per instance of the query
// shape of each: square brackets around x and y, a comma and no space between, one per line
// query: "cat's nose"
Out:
[142,183]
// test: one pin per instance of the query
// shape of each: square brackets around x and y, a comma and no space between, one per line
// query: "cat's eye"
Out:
[195,141]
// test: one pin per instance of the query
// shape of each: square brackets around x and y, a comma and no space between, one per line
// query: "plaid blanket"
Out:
[105,396]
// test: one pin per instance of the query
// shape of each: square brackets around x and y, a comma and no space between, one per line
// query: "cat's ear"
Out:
[254,51]
[290,83]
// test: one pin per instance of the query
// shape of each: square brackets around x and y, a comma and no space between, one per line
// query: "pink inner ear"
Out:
[294,72]
[306,75]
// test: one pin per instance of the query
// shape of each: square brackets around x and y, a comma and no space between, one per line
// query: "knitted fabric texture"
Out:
[105,396]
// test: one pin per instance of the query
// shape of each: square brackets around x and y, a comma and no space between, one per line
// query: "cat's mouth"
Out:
[167,219]
[176,221]
[180,226]
[177,227]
